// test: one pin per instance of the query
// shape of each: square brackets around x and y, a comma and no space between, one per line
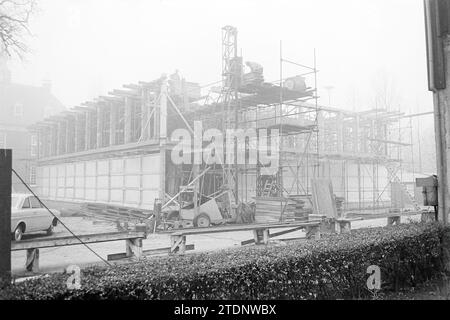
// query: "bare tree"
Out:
[14,21]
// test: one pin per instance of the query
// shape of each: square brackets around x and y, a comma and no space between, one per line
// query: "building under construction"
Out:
[117,148]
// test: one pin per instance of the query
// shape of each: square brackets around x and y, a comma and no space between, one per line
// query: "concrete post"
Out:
[442,133]
[5,213]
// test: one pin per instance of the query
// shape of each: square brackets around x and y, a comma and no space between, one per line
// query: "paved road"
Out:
[59,258]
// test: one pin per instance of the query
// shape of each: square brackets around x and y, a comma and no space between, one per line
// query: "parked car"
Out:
[28,215]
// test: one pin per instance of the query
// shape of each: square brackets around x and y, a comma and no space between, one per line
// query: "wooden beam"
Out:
[112,124]
[144,116]
[132,86]
[124,93]
[113,99]
[100,126]
[152,146]
[71,241]
[272,235]
[249,227]
[127,121]
[75,132]
[69,143]
[58,138]
[87,131]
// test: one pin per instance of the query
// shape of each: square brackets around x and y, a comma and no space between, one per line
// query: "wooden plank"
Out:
[386,215]
[272,235]
[71,241]
[133,248]
[244,228]
[178,243]
[148,252]
[323,198]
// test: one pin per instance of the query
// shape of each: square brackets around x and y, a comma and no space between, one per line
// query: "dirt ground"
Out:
[59,258]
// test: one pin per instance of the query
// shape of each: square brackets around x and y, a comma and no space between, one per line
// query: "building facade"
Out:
[20,106]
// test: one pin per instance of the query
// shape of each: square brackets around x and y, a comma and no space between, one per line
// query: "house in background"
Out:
[20,106]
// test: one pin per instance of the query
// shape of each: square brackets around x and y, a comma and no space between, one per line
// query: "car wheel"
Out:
[18,233]
[50,230]
[202,221]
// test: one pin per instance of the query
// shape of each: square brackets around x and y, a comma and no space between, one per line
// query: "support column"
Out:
[68,141]
[144,116]
[437,19]
[112,124]
[127,120]
[340,132]
[155,121]
[356,135]
[100,126]
[5,213]
[58,138]
[76,133]
[442,133]
[163,138]
[87,139]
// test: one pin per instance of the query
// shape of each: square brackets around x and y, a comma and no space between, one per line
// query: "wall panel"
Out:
[132,181]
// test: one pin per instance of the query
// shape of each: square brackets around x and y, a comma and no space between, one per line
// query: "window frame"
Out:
[37,202]
[27,200]
[33,175]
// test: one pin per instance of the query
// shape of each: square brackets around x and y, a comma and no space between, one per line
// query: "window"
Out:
[35,202]
[18,110]
[33,145]
[2,140]
[26,204]
[33,175]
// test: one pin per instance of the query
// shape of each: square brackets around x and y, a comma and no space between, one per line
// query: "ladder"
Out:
[393,177]
[269,185]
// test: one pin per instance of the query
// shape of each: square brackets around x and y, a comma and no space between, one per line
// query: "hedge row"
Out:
[334,267]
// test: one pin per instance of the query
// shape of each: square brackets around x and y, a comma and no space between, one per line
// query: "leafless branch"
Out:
[14,21]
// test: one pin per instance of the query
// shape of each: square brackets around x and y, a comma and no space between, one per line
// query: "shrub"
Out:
[334,267]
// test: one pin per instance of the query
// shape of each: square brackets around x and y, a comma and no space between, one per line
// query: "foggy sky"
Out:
[89,47]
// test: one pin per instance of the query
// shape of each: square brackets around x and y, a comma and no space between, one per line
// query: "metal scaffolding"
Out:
[360,152]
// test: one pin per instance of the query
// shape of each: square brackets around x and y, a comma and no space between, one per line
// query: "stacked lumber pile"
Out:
[296,206]
[268,209]
[118,214]
[276,209]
